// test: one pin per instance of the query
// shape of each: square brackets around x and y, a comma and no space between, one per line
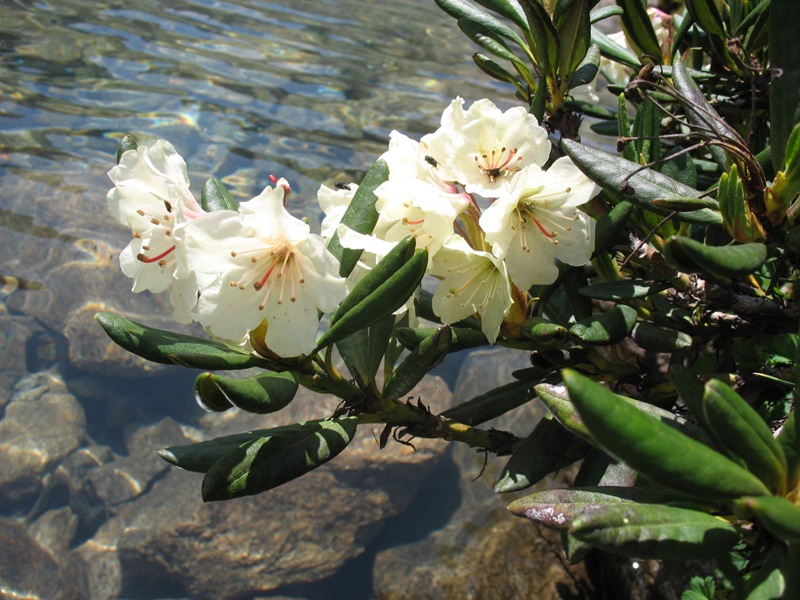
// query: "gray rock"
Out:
[55,530]
[29,571]
[301,532]
[43,423]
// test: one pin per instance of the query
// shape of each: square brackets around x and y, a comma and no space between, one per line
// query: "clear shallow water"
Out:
[243,89]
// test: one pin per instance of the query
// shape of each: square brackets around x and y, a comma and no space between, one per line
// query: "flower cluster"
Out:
[477,193]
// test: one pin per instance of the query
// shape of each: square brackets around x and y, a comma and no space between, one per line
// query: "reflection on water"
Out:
[243,89]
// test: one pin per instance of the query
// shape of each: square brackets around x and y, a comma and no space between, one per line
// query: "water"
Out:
[244,89]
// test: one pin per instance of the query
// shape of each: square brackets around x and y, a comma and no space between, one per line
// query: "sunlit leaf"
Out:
[430,353]
[737,260]
[610,327]
[779,516]
[216,196]
[265,393]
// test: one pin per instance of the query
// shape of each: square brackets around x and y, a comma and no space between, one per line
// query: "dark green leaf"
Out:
[216,197]
[740,432]
[629,289]
[430,353]
[462,10]
[602,329]
[784,89]
[639,30]
[544,35]
[386,298]
[779,516]
[655,531]
[540,329]
[574,31]
[462,338]
[360,216]
[494,403]
[604,12]
[609,225]
[586,72]
[267,462]
[655,449]
[614,51]
[510,10]
[789,439]
[493,69]
[737,260]
[546,449]
[660,339]
[706,14]
[680,166]
[640,186]
[261,394]
[166,347]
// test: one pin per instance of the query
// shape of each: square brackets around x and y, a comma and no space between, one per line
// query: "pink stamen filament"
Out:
[146,259]
[261,283]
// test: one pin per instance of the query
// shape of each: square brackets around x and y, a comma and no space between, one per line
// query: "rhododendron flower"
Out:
[483,147]
[473,282]
[267,265]
[151,196]
[334,203]
[416,200]
[538,221]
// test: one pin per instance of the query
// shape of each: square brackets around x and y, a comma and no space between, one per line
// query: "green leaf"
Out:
[639,30]
[618,291]
[767,582]
[430,353]
[700,588]
[557,509]
[166,347]
[655,531]
[609,225]
[386,298]
[789,439]
[784,89]
[574,32]
[640,186]
[495,402]
[700,113]
[126,142]
[680,166]
[706,14]
[215,196]
[360,216]
[778,516]
[462,337]
[544,35]
[738,260]
[601,13]
[510,10]
[540,329]
[545,450]
[646,130]
[269,461]
[585,73]
[655,449]
[739,431]
[464,11]
[614,51]
[201,456]
[265,393]
[603,329]
[660,339]
[493,69]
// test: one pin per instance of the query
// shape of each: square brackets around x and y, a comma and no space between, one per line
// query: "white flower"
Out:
[334,203]
[473,282]
[538,221]
[483,146]
[416,200]
[151,196]
[266,265]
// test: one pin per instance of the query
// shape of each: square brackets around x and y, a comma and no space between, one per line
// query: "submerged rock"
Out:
[43,423]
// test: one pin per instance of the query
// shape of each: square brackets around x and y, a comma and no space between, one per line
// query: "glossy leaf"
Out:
[778,516]
[265,393]
[360,216]
[462,337]
[545,36]
[739,220]
[546,449]
[614,51]
[386,298]
[166,347]
[660,339]
[494,403]
[462,10]
[639,186]
[510,10]
[574,32]
[655,449]
[216,196]
[269,461]
[610,327]
[540,329]
[618,291]
[655,531]
[740,432]
[602,13]
[493,69]
[639,30]
[706,14]
[201,456]
[557,509]
[609,225]
[587,70]
[481,36]
[784,89]
[737,260]
[430,353]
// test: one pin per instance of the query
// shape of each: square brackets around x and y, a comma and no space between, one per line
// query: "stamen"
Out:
[145,259]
